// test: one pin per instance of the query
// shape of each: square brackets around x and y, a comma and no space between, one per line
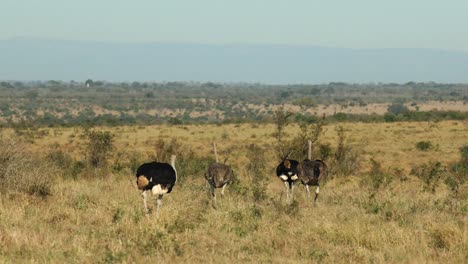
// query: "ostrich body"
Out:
[218,175]
[287,171]
[312,172]
[157,177]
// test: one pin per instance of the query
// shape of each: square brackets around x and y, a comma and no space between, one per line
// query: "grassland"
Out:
[99,217]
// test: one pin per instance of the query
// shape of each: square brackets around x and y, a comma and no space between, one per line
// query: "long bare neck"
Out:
[215,152]
[309,152]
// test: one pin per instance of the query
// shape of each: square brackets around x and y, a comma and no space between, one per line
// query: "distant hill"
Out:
[42,59]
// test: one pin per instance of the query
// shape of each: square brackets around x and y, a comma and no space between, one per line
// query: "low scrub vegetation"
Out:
[57,103]
[424,145]
[21,171]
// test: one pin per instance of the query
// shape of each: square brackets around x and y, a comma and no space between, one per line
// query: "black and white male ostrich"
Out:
[218,175]
[287,171]
[157,177]
[312,172]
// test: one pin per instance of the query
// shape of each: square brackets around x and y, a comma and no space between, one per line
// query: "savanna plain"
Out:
[396,193]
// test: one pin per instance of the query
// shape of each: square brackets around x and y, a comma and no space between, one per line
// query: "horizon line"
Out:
[227,44]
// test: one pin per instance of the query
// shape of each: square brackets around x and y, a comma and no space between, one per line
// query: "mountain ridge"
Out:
[49,59]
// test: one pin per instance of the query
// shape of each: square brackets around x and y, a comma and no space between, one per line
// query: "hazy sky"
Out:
[345,23]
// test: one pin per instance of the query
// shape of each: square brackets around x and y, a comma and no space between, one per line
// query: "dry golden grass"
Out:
[102,220]
[392,144]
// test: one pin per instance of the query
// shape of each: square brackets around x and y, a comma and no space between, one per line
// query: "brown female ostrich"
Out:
[218,175]
[312,172]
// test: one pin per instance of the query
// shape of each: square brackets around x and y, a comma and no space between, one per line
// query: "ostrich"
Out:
[312,172]
[157,177]
[287,172]
[218,175]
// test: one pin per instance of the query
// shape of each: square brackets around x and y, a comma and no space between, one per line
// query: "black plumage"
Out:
[158,178]
[287,171]
[288,168]
[157,173]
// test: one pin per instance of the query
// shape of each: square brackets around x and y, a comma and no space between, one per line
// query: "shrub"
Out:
[190,164]
[325,151]
[21,171]
[187,162]
[377,177]
[130,160]
[424,145]
[163,149]
[464,157]
[64,162]
[175,121]
[118,215]
[59,157]
[399,174]
[346,158]
[397,109]
[389,117]
[99,147]
[281,119]
[256,168]
[430,174]
[308,131]
[458,172]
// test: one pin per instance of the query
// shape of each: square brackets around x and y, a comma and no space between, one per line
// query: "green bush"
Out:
[99,147]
